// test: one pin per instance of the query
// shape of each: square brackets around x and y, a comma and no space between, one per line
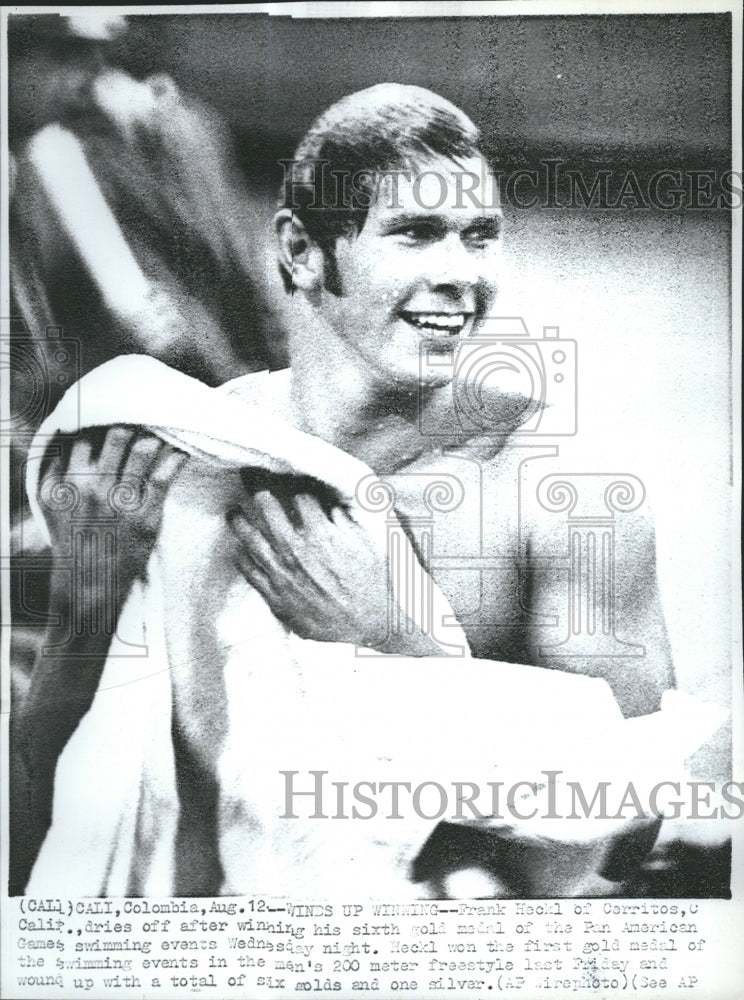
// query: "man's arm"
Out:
[607,605]
[87,588]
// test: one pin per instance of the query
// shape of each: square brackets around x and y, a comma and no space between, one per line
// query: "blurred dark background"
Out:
[646,90]
[643,89]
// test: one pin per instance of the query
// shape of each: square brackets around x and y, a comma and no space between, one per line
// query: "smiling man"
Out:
[406,268]
[391,278]
[412,219]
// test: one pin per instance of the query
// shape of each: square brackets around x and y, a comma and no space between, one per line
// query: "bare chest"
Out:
[463,520]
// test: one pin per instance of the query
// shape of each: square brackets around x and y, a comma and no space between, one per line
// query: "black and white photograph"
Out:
[370,506]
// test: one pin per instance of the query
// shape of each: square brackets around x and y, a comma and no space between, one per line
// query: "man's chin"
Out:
[416,374]
[436,364]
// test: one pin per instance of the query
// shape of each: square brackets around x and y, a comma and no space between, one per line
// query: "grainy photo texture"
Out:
[369,481]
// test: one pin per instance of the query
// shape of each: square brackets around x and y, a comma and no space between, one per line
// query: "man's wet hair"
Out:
[385,128]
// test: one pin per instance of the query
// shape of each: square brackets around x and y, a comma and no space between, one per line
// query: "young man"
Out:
[384,283]
[391,282]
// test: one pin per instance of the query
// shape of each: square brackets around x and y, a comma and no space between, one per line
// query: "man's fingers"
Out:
[52,493]
[114,450]
[132,453]
[258,547]
[79,461]
[96,437]
[255,574]
[54,462]
[275,523]
[59,454]
[341,519]
[313,517]
[167,463]
[99,450]
[283,605]
[261,581]
[141,457]
[54,459]
[158,477]
[123,456]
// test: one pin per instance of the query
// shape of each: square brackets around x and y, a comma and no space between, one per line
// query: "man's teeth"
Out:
[447,323]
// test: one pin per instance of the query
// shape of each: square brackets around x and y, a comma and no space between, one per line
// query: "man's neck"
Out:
[334,396]
[375,423]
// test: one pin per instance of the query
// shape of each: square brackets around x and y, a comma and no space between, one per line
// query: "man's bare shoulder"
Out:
[545,488]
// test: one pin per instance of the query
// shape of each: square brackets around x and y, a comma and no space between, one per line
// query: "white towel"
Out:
[251,701]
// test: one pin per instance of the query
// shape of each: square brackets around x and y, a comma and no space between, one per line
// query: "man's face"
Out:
[424,268]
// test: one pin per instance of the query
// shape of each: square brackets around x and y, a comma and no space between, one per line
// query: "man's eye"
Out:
[418,231]
[482,236]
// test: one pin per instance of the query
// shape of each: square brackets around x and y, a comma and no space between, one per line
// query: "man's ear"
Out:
[300,256]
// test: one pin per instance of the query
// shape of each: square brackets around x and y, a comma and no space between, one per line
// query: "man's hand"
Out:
[102,496]
[320,572]
[105,484]
[117,476]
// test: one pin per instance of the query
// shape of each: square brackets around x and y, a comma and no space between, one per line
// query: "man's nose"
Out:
[454,267]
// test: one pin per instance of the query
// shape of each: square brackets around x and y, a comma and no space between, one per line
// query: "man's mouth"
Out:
[437,324]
